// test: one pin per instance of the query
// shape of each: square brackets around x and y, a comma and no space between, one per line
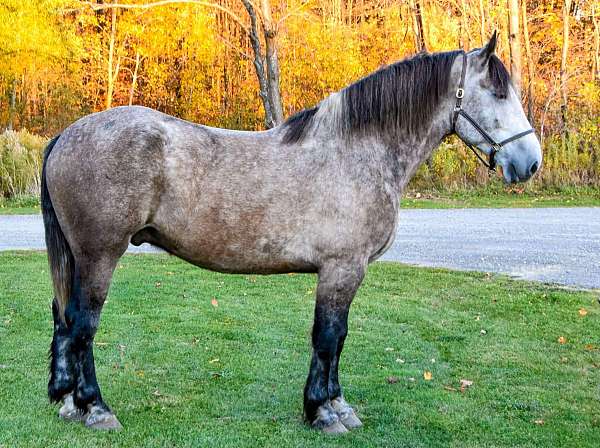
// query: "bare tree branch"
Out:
[294,11]
[230,13]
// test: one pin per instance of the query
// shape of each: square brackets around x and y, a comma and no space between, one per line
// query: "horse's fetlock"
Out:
[59,387]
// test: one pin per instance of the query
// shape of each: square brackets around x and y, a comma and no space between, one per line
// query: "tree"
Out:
[530,65]
[113,70]
[270,32]
[514,39]
[268,81]
[418,31]
[563,65]
[596,60]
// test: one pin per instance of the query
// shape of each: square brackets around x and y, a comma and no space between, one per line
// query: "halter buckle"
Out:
[460,93]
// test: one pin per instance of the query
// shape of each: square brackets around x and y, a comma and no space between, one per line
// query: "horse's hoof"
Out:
[345,413]
[351,421]
[102,419]
[68,411]
[328,421]
[335,428]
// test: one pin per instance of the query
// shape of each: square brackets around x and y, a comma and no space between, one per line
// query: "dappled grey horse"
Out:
[318,194]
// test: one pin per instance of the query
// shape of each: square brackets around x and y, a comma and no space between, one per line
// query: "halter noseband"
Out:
[458,110]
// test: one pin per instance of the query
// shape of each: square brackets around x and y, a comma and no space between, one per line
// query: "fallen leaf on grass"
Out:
[427,375]
[465,384]
[582,312]
[562,340]
[214,302]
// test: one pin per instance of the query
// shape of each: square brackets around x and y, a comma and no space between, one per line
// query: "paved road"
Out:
[560,245]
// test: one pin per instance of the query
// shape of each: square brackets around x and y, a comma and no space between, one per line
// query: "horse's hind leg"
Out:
[72,348]
[336,289]
[95,276]
[62,369]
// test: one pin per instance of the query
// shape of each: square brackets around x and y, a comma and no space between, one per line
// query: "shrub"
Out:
[20,163]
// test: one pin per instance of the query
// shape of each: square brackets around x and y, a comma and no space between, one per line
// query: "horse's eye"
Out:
[500,96]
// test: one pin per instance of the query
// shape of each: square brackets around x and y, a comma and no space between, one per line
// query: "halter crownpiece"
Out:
[458,111]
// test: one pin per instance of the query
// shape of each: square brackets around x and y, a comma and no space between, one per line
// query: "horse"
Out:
[317,194]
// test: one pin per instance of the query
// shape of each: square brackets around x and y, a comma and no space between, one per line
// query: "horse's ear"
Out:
[486,52]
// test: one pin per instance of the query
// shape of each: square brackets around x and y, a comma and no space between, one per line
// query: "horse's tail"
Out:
[60,257]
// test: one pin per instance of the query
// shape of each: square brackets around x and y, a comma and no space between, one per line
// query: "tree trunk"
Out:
[563,66]
[12,104]
[482,23]
[111,53]
[419,33]
[263,90]
[134,77]
[270,33]
[514,40]
[530,66]
[596,61]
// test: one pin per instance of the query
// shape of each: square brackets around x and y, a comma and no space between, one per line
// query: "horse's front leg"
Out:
[324,406]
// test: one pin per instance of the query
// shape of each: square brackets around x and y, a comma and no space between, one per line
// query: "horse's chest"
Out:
[384,233]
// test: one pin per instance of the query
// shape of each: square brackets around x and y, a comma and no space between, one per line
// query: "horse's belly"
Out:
[232,252]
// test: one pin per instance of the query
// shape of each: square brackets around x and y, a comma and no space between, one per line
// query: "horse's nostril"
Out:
[533,168]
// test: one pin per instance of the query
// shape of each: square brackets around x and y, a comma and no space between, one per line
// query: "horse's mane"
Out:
[399,97]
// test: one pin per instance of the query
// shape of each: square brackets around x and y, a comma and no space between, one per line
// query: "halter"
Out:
[458,110]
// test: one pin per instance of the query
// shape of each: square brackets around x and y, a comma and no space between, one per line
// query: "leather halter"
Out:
[458,110]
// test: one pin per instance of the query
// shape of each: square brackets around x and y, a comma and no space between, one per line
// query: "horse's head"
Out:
[490,103]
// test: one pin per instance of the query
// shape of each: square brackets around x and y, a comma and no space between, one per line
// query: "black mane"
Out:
[401,96]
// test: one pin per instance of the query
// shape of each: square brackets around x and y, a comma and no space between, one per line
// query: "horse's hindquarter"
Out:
[250,204]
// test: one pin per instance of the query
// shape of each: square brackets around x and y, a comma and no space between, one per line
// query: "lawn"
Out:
[181,369]
[502,197]
[23,205]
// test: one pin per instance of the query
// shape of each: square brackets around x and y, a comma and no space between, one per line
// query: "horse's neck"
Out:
[399,156]
[414,152]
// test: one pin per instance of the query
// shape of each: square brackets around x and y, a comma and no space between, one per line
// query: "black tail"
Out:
[60,257]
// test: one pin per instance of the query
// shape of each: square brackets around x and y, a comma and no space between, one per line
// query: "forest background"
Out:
[249,64]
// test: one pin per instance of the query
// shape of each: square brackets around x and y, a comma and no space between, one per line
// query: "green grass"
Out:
[22,205]
[179,371]
[502,198]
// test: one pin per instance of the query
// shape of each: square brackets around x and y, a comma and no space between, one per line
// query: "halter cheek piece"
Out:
[458,110]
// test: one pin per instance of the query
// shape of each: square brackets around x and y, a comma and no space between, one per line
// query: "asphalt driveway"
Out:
[558,245]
